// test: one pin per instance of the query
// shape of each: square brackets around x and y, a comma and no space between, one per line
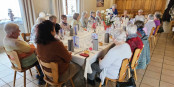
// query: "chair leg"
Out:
[14,81]
[100,84]
[72,83]
[135,74]
[37,70]
[129,72]
[30,72]
[24,78]
[46,85]
[106,82]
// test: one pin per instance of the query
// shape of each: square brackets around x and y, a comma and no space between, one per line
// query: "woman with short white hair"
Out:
[34,29]
[150,24]
[132,39]
[114,9]
[76,20]
[91,19]
[98,17]
[140,17]
[109,66]
[84,19]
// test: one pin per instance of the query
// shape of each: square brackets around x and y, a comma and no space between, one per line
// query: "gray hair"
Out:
[40,20]
[84,13]
[131,29]
[92,12]
[75,16]
[140,10]
[10,28]
[150,16]
[97,12]
[119,35]
[52,17]
[114,5]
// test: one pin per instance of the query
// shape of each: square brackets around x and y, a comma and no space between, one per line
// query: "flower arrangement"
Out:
[109,15]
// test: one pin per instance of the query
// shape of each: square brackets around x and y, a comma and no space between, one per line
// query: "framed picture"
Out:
[100,3]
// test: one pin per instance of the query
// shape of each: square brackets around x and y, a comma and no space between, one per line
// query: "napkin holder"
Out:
[70,46]
[106,38]
[95,44]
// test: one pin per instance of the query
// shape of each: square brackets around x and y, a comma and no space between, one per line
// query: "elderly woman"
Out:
[115,12]
[140,26]
[76,20]
[109,66]
[53,19]
[64,25]
[150,24]
[84,19]
[157,17]
[34,30]
[91,19]
[98,17]
[132,39]
[125,14]
[50,49]
[25,51]
[140,17]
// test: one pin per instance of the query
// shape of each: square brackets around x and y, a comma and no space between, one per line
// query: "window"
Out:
[70,7]
[9,4]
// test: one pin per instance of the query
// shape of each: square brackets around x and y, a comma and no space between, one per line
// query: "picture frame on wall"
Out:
[100,3]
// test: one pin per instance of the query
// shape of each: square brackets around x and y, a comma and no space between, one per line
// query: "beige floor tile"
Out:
[140,71]
[31,84]
[154,68]
[151,81]
[139,77]
[158,56]
[137,84]
[165,84]
[2,83]
[157,64]
[10,78]
[168,67]
[19,82]
[6,85]
[157,59]
[145,85]
[169,58]
[167,78]
[169,54]
[152,74]
[168,62]
[168,72]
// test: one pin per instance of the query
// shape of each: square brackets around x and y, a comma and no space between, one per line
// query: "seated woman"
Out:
[115,12]
[34,30]
[110,65]
[132,39]
[140,17]
[76,20]
[140,26]
[84,19]
[91,19]
[64,25]
[157,17]
[25,51]
[53,19]
[98,17]
[125,14]
[50,49]
[150,24]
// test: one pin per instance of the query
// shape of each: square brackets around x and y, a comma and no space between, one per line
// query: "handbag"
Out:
[129,83]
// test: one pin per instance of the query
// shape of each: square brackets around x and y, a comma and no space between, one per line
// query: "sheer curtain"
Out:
[28,14]
[57,9]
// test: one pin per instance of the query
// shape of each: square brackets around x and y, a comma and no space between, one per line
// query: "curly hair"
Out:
[140,24]
[44,35]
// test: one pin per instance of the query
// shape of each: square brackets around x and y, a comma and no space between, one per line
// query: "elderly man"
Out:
[25,51]
[109,66]
[54,20]
[150,24]
[140,17]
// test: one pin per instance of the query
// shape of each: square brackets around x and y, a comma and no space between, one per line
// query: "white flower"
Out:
[107,10]
[102,11]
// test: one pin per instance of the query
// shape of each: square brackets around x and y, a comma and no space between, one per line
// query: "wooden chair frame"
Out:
[155,35]
[25,35]
[150,38]
[122,73]
[54,74]
[17,66]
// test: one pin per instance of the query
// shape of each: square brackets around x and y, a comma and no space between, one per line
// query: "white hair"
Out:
[114,5]
[140,10]
[40,20]
[97,12]
[10,28]
[84,13]
[150,16]
[131,29]
[119,35]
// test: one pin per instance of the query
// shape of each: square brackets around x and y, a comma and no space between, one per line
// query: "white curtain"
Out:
[28,14]
[57,7]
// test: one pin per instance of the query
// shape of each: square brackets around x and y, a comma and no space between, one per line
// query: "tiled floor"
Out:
[159,73]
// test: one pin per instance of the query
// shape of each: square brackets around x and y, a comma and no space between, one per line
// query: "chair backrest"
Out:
[123,70]
[26,36]
[14,59]
[54,74]
[135,57]
[157,30]
[151,33]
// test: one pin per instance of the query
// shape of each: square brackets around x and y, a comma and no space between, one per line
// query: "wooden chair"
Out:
[54,74]
[134,62]
[26,36]
[155,35]
[122,74]
[150,37]
[16,65]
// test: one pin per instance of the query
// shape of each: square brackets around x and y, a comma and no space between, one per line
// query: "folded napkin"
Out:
[84,55]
